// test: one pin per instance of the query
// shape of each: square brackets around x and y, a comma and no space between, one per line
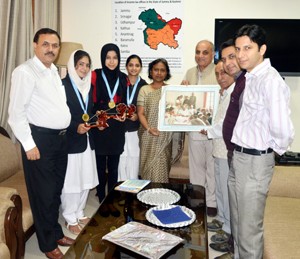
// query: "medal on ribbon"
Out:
[111,94]
[130,97]
[85,117]
[111,104]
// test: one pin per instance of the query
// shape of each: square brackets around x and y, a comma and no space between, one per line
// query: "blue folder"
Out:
[170,216]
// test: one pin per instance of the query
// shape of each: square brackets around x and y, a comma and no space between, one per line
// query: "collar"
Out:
[229,90]
[41,66]
[207,70]
[260,68]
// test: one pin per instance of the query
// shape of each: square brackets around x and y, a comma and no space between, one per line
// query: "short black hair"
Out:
[132,57]
[45,31]
[156,61]
[226,44]
[256,34]
[79,54]
[218,61]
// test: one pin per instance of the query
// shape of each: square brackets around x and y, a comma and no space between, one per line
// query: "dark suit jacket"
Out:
[77,143]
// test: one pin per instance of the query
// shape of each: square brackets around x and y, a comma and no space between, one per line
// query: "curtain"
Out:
[47,13]
[16,37]
[19,20]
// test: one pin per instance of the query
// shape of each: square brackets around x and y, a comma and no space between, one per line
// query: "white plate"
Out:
[150,216]
[158,196]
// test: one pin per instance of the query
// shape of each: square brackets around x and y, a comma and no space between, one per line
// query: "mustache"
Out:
[50,53]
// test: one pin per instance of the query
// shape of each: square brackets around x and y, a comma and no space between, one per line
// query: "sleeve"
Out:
[216,131]
[141,97]
[281,127]
[22,87]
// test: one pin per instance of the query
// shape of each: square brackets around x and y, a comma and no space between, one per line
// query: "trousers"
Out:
[248,185]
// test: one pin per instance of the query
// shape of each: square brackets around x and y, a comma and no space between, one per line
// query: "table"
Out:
[89,243]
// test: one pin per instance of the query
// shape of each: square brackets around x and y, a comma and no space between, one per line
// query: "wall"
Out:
[89,22]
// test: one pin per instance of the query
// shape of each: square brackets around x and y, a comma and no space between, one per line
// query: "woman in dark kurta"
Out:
[109,90]
[81,174]
[129,160]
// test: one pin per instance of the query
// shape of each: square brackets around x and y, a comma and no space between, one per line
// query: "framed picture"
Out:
[188,108]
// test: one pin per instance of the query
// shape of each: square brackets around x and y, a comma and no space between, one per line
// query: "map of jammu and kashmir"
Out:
[159,30]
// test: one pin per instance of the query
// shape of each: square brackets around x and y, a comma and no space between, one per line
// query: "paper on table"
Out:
[170,216]
[132,185]
[144,240]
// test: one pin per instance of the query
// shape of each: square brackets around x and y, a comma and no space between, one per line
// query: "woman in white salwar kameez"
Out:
[81,174]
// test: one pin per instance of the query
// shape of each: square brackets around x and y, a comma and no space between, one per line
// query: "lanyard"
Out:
[111,94]
[84,107]
[130,97]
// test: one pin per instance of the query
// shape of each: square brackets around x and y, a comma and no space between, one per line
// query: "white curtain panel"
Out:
[16,39]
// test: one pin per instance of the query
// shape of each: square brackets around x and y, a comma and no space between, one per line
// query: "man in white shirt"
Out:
[201,162]
[39,116]
[263,125]
[226,83]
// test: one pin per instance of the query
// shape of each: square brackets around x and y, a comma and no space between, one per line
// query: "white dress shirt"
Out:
[264,120]
[215,132]
[37,97]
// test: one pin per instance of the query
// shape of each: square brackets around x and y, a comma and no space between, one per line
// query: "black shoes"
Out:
[222,247]
[215,225]
[211,211]
[228,255]
[113,210]
[220,237]
[107,209]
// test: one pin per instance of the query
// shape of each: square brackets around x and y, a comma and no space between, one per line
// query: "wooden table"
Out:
[89,243]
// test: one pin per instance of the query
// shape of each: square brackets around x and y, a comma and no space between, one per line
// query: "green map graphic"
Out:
[158,30]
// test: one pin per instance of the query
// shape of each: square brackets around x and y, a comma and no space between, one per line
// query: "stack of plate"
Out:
[165,214]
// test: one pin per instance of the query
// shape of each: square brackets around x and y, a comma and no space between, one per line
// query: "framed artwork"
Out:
[188,108]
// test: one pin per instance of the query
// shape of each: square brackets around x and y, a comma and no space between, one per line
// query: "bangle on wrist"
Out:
[148,129]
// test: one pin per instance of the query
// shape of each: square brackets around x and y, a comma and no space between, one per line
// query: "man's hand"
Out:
[185,82]
[33,154]
[204,132]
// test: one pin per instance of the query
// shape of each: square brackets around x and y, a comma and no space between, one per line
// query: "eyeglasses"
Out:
[47,45]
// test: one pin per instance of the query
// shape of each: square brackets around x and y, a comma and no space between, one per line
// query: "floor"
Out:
[32,250]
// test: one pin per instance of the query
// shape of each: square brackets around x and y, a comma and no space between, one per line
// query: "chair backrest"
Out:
[9,158]
[4,132]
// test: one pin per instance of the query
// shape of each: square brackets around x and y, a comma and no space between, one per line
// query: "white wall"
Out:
[89,22]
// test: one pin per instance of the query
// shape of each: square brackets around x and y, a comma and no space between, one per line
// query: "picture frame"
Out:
[188,108]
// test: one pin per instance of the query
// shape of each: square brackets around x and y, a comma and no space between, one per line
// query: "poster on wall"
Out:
[149,28]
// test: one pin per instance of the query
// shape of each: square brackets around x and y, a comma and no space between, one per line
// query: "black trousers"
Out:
[111,162]
[44,180]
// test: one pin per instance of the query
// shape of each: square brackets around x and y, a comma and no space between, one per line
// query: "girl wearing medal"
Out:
[109,90]
[129,160]
[81,174]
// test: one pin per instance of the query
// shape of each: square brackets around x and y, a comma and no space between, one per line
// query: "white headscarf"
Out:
[84,84]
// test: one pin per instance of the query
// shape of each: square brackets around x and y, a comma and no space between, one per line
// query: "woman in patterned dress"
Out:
[155,146]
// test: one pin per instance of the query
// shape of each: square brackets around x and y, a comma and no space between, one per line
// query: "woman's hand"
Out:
[134,117]
[120,118]
[153,131]
[82,129]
